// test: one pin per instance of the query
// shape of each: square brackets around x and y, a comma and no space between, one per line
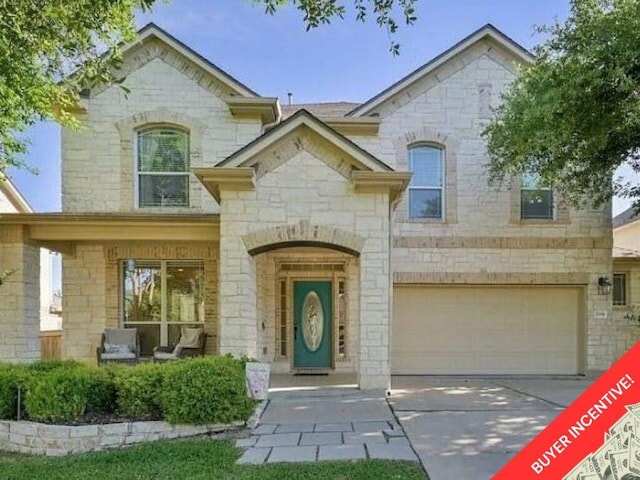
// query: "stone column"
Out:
[237,299]
[374,364]
[20,293]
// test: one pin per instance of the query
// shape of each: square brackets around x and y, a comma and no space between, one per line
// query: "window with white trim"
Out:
[162,167]
[536,199]
[619,289]
[159,297]
[426,188]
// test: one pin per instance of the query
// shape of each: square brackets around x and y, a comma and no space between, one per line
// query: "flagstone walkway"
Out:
[326,425]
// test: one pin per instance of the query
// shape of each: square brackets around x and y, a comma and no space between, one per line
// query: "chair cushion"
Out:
[118,356]
[190,337]
[165,355]
[121,336]
[111,348]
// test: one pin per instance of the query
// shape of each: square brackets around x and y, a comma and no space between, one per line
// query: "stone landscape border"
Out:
[56,440]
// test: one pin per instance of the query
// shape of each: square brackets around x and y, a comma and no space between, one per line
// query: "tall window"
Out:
[162,164]
[536,199]
[161,296]
[426,189]
[619,288]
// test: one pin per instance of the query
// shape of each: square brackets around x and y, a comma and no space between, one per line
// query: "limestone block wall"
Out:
[20,305]
[306,187]
[482,239]
[83,302]
[98,161]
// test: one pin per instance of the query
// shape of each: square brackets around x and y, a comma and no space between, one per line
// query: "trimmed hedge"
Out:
[139,390]
[199,390]
[11,377]
[206,390]
[69,393]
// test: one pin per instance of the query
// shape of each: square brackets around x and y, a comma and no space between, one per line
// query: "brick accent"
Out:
[92,285]
[494,278]
[548,243]
[303,231]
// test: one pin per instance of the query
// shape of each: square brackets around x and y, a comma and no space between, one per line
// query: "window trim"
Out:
[137,172]
[625,275]
[538,188]
[164,323]
[443,181]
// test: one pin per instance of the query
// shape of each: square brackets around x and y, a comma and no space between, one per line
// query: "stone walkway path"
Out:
[343,426]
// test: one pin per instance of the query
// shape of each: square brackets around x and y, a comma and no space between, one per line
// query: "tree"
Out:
[573,115]
[317,12]
[50,50]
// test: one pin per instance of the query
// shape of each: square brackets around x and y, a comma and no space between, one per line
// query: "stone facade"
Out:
[300,192]
[20,306]
[305,188]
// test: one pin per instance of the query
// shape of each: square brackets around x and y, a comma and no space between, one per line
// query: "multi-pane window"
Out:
[426,189]
[162,167]
[159,297]
[536,199]
[619,288]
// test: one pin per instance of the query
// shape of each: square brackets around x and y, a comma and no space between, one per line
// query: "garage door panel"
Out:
[485,330]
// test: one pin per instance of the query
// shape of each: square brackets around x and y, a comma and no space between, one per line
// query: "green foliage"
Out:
[41,44]
[44,366]
[205,390]
[194,459]
[318,12]
[573,115]
[11,377]
[139,391]
[68,393]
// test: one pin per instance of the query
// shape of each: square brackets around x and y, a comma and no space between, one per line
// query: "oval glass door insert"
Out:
[312,321]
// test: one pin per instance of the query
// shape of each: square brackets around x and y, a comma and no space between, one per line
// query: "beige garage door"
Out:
[486,330]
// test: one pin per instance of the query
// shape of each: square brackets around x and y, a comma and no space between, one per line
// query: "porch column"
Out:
[237,299]
[20,292]
[374,367]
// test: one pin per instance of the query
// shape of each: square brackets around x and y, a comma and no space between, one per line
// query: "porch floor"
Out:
[286,382]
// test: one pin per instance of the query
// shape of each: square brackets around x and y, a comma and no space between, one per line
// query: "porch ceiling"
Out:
[61,231]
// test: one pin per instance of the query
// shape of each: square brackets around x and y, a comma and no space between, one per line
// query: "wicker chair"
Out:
[119,345]
[192,343]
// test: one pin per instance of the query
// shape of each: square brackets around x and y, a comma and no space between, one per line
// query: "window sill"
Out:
[431,221]
[539,222]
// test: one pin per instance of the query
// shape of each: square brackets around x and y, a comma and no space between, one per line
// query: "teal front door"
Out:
[312,314]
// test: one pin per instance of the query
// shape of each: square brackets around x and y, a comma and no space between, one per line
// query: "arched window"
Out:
[426,189]
[162,167]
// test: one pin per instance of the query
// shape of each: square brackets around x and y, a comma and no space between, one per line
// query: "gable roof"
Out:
[486,32]
[303,117]
[630,215]
[324,109]
[151,30]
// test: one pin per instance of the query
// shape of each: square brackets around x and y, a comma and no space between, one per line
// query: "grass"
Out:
[193,459]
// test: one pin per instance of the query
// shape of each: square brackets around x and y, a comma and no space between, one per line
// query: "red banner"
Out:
[596,437]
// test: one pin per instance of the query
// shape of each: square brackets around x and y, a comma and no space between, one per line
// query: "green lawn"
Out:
[196,459]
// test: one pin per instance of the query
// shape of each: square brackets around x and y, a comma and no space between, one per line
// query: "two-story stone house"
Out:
[339,237]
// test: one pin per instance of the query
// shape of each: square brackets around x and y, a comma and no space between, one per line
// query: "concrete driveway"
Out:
[471,427]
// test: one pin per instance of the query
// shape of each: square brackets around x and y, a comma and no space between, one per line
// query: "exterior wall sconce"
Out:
[604,286]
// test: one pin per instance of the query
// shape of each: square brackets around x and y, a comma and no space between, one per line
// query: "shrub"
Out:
[69,392]
[205,390]
[44,366]
[11,377]
[139,390]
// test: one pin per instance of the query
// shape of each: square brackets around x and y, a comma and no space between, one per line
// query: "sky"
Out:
[274,55]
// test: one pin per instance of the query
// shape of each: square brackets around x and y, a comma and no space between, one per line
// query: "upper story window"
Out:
[162,167]
[536,199]
[426,189]
[619,288]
